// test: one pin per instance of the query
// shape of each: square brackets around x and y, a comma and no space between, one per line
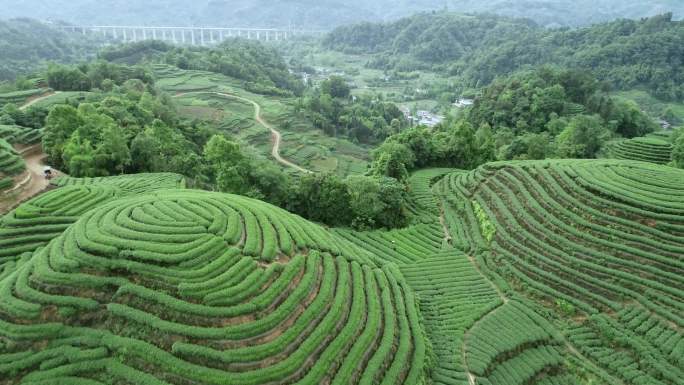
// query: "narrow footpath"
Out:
[35,99]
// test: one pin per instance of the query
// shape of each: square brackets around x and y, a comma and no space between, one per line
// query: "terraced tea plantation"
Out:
[599,242]
[538,272]
[117,280]
[20,97]
[20,135]
[647,149]
[36,222]
[11,165]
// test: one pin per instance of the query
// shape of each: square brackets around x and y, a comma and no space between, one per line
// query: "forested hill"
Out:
[324,14]
[24,43]
[429,37]
[626,53]
[261,67]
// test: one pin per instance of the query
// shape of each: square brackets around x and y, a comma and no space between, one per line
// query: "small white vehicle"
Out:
[47,170]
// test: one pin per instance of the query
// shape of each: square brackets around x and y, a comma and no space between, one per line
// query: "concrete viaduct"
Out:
[187,35]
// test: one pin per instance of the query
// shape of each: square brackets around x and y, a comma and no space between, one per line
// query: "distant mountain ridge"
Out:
[324,14]
[478,48]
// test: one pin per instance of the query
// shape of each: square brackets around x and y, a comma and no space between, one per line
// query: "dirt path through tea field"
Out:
[276,136]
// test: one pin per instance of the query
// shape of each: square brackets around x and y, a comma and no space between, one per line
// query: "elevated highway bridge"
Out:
[187,35]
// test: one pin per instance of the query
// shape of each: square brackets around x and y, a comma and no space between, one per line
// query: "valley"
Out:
[443,199]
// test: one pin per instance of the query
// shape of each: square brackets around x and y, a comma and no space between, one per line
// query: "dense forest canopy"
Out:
[424,36]
[626,53]
[323,14]
[261,67]
[361,119]
[545,113]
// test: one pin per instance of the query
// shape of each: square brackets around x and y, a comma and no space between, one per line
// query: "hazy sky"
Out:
[320,13]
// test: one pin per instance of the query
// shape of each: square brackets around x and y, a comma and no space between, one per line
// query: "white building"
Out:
[664,124]
[461,103]
[429,119]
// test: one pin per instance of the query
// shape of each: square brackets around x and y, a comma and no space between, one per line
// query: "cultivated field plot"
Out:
[313,149]
[172,79]
[322,153]
[62,97]
[407,89]
[232,115]
[185,286]
[303,144]
[601,242]
[647,149]
[20,97]
[478,334]
[453,296]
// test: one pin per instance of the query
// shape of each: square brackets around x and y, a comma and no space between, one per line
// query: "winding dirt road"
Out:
[33,181]
[33,157]
[276,137]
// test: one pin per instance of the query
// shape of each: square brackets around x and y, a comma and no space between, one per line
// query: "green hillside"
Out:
[535,272]
[206,96]
[193,286]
